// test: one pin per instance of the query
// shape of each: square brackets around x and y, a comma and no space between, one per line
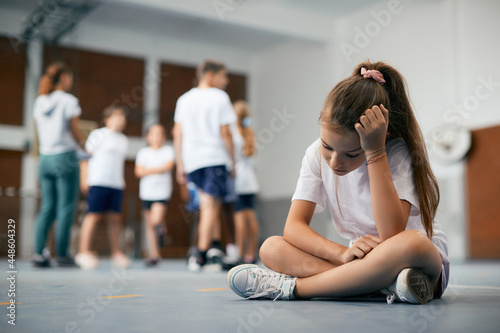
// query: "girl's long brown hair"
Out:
[351,97]
[52,77]
[242,111]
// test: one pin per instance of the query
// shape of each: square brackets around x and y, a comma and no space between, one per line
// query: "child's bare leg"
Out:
[87,230]
[376,270]
[253,233]
[280,256]
[240,224]
[154,217]
[114,231]
[209,215]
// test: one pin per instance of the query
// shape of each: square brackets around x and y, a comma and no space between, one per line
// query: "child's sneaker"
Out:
[195,260]
[411,286]
[217,256]
[152,262]
[41,260]
[86,260]
[119,260]
[253,282]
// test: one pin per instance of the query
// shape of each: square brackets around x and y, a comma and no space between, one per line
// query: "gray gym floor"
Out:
[171,299]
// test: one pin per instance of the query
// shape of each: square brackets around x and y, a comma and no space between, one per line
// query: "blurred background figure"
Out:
[246,185]
[102,179]
[153,166]
[57,115]
[204,146]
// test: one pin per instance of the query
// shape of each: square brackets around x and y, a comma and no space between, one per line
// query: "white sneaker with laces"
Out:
[411,286]
[253,282]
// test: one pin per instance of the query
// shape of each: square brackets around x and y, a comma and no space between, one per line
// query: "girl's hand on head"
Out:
[361,247]
[372,128]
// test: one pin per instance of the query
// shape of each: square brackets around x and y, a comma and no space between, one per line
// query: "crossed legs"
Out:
[378,269]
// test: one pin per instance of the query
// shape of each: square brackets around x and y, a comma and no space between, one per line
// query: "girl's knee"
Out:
[270,248]
[417,246]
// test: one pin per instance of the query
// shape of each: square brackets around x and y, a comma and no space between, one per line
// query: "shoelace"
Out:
[266,283]
[391,297]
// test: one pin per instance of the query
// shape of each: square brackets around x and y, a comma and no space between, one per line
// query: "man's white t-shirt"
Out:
[317,183]
[52,114]
[201,113]
[245,181]
[157,186]
[106,165]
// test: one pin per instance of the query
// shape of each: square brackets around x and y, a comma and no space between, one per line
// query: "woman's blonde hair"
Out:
[351,97]
[243,111]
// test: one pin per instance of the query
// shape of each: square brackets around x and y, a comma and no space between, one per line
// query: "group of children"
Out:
[203,145]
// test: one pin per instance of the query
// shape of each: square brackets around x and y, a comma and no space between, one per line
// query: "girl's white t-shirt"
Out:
[317,183]
[108,151]
[245,180]
[201,113]
[52,114]
[157,186]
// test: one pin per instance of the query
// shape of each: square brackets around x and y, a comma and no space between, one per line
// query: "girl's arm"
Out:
[299,234]
[141,171]
[177,134]
[75,131]
[390,213]
[84,187]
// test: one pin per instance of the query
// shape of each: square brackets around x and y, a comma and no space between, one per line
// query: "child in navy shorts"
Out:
[102,178]
[153,166]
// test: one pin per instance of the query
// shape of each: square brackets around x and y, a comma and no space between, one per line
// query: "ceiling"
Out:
[251,25]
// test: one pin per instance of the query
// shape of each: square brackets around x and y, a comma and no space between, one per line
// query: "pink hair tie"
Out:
[372,74]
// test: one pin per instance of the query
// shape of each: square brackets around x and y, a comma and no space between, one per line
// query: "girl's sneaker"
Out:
[253,282]
[87,260]
[411,286]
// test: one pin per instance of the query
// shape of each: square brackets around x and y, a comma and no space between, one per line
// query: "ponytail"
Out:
[351,97]
[52,77]
[243,111]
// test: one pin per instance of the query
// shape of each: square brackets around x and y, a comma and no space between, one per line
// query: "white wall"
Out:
[444,49]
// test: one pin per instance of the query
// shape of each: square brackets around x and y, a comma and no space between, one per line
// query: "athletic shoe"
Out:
[65,261]
[41,260]
[217,256]
[411,286]
[87,260]
[253,282]
[119,260]
[152,262]
[195,263]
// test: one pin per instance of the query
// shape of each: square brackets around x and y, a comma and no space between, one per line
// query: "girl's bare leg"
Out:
[240,226]
[154,217]
[253,233]
[376,270]
[280,256]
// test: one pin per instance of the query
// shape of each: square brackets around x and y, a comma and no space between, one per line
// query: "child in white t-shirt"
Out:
[371,166]
[246,185]
[153,166]
[204,146]
[102,177]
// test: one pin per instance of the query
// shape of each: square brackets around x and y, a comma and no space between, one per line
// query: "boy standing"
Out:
[204,145]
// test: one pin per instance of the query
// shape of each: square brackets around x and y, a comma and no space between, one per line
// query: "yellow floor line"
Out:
[7,303]
[121,296]
[213,289]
